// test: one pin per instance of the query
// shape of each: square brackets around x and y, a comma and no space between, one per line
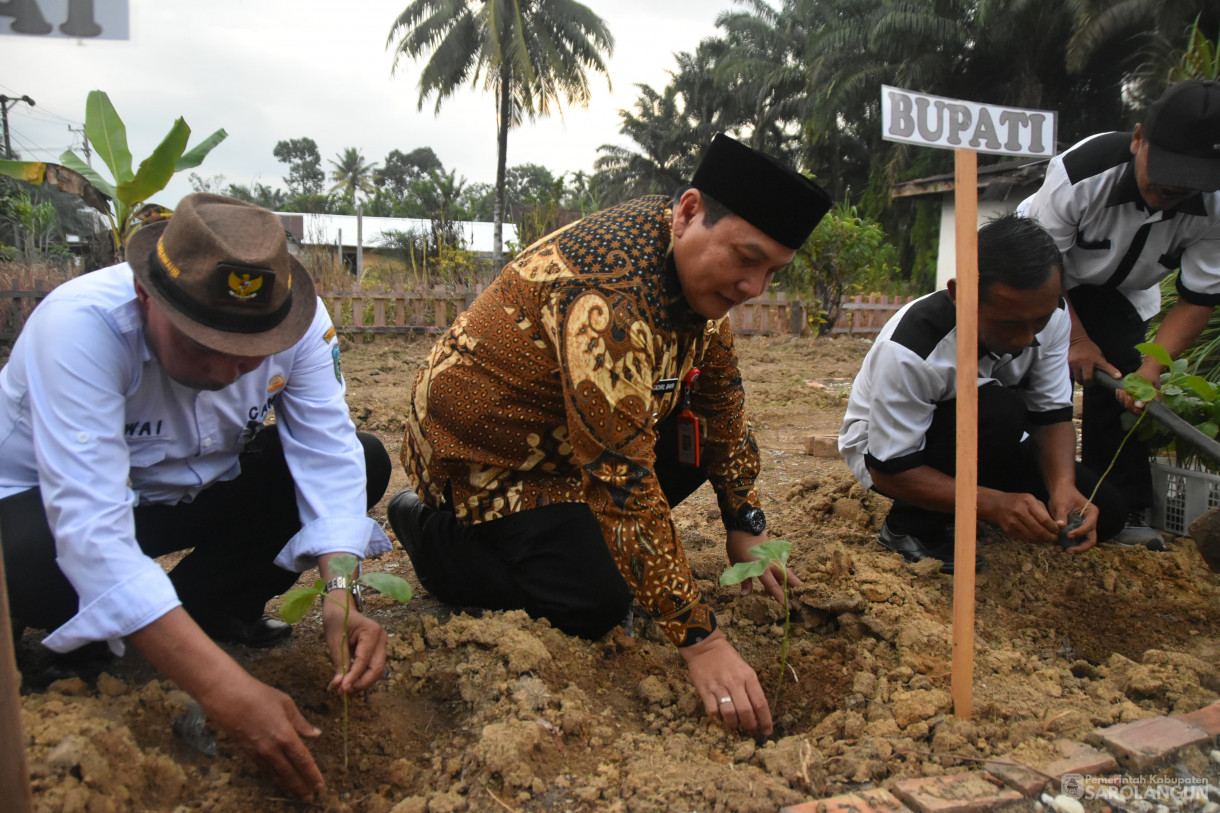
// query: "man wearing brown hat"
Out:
[132,424]
[590,388]
[1127,210]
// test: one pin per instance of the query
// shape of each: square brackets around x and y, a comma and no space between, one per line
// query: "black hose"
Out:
[1166,417]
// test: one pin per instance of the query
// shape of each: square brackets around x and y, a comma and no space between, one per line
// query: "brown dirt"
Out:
[500,712]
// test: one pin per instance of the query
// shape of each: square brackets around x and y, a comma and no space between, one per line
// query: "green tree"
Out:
[33,223]
[1200,60]
[305,176]
[399,169]
[259,194]
[532,54]
[122,199]
[586,194]
[352,175]
[1146,33]
[845,253]
[667,148]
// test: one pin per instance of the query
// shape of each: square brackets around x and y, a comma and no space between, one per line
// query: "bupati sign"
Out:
[935,121]
[93,19]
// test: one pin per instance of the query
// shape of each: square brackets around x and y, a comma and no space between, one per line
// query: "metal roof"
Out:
[318,229]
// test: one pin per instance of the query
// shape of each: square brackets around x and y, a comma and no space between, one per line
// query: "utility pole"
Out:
[5,103]
[84,142]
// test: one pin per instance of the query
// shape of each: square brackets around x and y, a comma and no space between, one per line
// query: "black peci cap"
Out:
[767,194]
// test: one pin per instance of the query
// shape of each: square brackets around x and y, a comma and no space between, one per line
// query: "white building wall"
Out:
[946,258]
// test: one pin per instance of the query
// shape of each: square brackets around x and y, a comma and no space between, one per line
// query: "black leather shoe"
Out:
[264,633]
[407,514]
[46,667]
[914,549]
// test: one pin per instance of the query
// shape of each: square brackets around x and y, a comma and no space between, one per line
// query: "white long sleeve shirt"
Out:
[88,415]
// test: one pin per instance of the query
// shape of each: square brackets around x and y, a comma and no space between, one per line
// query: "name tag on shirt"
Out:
[665,385]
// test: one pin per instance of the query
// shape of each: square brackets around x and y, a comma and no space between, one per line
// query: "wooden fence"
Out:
[398,311]
[866,315]
[17,301]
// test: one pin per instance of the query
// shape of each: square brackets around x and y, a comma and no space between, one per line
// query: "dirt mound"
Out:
[498,711]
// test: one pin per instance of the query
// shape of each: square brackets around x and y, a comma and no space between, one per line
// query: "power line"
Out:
[40,108]
[39,115]
[5,104]
[27,148]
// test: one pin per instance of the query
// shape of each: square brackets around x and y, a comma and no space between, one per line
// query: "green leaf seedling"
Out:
[297,602]
[1191,397]
[772,552]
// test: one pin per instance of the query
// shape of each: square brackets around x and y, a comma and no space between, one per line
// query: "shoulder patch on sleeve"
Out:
[328,335]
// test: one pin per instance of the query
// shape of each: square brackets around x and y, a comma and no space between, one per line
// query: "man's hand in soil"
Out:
[1067,501]
[738,548]
[263,721]
[365,647]
[1022,516]
[718,672]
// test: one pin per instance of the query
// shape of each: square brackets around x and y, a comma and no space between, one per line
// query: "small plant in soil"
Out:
[297,602]
[772,552]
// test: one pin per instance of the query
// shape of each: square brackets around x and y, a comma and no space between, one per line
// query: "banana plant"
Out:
[122,199]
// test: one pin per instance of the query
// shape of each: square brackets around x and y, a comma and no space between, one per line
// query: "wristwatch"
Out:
[340,583]
[750,519]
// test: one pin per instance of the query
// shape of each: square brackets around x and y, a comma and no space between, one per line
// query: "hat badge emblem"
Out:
[243,287]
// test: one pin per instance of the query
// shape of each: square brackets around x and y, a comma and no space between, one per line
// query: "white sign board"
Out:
[935,121]
[78,19]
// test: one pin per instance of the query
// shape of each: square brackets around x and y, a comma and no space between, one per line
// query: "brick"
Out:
[822,445]
[865,801]
[1206,719]
[1022,778]
[1141,744]
[1032,778]
[1082,759]
[969,792]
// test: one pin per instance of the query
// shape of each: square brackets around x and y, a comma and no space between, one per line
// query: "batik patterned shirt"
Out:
[550,387]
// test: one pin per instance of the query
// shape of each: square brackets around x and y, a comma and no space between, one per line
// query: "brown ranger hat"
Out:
[220,270]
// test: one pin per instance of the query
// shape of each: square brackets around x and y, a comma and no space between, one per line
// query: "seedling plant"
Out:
[772,552]
[297,602]
[1191,397]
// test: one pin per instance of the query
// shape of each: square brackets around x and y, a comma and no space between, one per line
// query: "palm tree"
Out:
[672,127]
[668,148]
[353,174]
[532,54]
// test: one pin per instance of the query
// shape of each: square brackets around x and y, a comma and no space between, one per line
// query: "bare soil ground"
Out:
[503,713]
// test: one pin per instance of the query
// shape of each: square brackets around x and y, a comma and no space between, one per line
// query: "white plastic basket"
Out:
[1180,496]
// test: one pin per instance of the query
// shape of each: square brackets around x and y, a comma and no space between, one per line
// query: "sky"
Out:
[268,70]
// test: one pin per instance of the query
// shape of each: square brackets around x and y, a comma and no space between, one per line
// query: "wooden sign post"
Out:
[968,129]
[14,773]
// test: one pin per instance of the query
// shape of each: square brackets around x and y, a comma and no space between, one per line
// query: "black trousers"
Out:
[1114,326]
[1005,463]
[553,561]
[236,529]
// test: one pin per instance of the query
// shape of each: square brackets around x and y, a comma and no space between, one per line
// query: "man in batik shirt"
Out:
[590,388]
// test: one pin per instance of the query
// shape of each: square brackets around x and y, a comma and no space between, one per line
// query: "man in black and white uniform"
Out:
[1127,210]
[899,435]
